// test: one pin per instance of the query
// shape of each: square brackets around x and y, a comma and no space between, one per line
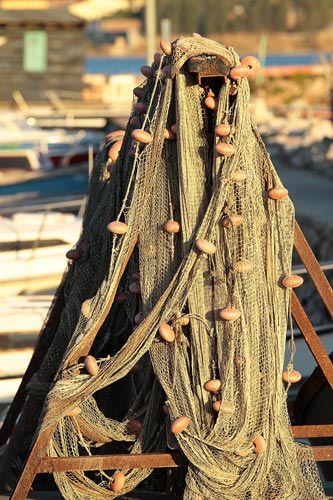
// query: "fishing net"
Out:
[187,320]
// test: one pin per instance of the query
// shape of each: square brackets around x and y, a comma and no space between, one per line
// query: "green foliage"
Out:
[212,16]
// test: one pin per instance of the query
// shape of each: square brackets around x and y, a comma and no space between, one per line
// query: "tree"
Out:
[213,16]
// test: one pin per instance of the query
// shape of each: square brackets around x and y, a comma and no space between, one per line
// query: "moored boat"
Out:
[33,249]
[40,186]
[60,146]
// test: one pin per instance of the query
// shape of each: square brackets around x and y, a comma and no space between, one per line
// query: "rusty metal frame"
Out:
[311,338]
[326,293]
[39,462]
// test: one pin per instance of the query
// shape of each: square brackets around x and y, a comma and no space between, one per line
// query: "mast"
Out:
[150,15]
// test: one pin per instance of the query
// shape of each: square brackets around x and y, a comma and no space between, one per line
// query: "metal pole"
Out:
[150,30]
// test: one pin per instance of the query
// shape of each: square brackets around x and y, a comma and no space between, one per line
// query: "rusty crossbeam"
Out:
[154,460]
[326,293]
[140,461]
[105,462]
[312,431]
[313,267]
[38,461]
[32,464]
[312,339]
[323,453]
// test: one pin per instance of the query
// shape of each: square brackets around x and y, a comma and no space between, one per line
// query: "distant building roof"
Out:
[38,17]
[34,4]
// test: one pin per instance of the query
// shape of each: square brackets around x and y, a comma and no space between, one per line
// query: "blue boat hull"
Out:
[47,186]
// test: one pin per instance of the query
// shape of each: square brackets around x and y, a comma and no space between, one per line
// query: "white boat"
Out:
[43,165]
[16,131]
[33,250]
[22,317]
[61,146]
[14,363]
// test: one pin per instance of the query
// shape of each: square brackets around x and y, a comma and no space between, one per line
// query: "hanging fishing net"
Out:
[179,291]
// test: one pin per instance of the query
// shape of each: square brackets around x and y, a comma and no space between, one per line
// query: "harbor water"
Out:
[118,65]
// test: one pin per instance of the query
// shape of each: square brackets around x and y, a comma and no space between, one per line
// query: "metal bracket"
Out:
[207,66]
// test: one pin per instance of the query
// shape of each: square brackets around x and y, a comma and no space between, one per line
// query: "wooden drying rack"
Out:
[38,461]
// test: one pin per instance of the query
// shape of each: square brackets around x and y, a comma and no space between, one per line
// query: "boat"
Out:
[33,249]
[61,146]
[21,163]
[43,165]
[41,186]
[22,318]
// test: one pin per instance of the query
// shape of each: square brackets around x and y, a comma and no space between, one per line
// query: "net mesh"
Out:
[237,438]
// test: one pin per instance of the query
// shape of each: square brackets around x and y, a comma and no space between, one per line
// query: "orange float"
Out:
[74,253]
[217,405]
[239,71]
[147,71]
[166,47]
[225,149]
[180,424]
[213,385]
[277,193]
[291,377]
[117,483]
[230,314]
[114,150]
[224,129]
[166,332]
[239,360]
[226,407]
[117,227]
[115,133]
[183,321]
[232,220]
[171,226]
[252,63]
[293,281]
[211,102]
[140,107]
[168,134]
[259,444]
[205,246]
[141,136]
[91,365]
